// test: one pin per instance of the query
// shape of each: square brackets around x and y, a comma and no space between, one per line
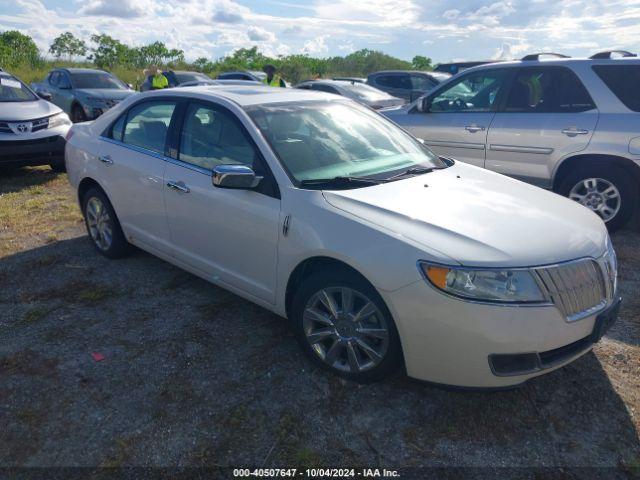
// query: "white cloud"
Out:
[316,46]
[451,14]
[120,9]
[259,34]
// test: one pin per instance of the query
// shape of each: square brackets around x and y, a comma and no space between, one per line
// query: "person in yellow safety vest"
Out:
[272,79]
[158,80]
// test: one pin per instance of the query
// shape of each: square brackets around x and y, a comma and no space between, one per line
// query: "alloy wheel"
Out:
[346,329]
[99,223]
[599,195]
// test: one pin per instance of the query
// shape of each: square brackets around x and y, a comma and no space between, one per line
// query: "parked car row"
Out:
[377,236]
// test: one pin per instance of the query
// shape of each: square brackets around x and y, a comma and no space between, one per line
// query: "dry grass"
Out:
[36,208]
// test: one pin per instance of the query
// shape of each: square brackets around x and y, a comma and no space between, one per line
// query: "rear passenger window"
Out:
[623,81]
[212,137]
[394,81]
[147,125]
[548,90]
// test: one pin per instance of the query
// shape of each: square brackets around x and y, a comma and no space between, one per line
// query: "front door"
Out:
[547,115]
[459,116]
[229,235]
[132,162]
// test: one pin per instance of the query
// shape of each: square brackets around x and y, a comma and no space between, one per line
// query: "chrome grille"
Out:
[37,124]
[577,289]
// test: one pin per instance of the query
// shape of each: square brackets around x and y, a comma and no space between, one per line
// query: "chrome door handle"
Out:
[474,128]
[573,131]
[179,186]
[106,159]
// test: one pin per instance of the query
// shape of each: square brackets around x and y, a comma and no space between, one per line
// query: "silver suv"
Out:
[570,125]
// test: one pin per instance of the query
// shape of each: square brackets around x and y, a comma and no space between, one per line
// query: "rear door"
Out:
[132,161]
[459,115]
[546,115]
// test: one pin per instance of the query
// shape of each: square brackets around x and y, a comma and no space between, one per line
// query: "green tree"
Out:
[421,62]
[68,45]
[109,52]
[17,49]
[156,53]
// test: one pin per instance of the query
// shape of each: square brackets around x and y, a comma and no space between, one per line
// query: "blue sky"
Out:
[441,29]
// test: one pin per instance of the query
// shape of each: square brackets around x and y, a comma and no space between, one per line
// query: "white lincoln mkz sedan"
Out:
[380,253]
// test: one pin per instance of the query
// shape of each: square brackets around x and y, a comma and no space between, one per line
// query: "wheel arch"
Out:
[85,184]
[603,160]
[309,266]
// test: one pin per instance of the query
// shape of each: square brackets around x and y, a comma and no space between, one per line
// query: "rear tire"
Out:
[358,340]
[103,226]
[611,192]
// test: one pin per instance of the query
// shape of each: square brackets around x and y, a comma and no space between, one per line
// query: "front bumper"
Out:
[32,151]
[452,342]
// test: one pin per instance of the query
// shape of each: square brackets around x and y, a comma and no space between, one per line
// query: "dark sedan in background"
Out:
[407,84]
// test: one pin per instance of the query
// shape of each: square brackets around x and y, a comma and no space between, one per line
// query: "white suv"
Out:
[570,125]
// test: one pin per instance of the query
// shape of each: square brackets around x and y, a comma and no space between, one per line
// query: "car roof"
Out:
[80,70]
[555,61]
[328,81]
[402,71]
[247,95]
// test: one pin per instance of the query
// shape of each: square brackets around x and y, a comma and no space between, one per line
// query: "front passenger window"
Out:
[475,92]
[212,137]
[147,125]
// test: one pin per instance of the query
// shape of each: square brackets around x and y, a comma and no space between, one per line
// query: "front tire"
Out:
[103,225]
[344,326]
[610,192]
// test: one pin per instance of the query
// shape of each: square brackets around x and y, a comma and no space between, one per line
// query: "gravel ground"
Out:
[137,363]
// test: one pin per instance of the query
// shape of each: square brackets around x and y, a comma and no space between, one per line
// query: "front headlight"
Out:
[485,285]
[59,119]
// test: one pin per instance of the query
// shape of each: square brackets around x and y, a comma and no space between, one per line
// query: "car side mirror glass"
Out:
[424,105]
[235,176]
[65,86]
[45,96]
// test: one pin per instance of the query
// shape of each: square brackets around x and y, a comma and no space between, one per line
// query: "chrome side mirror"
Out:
[235,176]
[423,105]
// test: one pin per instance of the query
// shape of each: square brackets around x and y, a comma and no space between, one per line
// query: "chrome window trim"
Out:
[159,156]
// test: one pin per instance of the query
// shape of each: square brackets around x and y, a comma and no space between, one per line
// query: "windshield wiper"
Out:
[338,182]
[414,171]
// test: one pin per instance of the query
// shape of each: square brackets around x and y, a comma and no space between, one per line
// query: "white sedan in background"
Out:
[378,252]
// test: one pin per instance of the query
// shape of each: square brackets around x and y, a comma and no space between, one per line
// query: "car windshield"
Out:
[365,92]
[192,77]
[13,90]
[325,140]
[97,80]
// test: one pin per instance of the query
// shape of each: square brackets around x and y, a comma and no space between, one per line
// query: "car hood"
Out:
[479,218]
[105,93]
[21,111]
